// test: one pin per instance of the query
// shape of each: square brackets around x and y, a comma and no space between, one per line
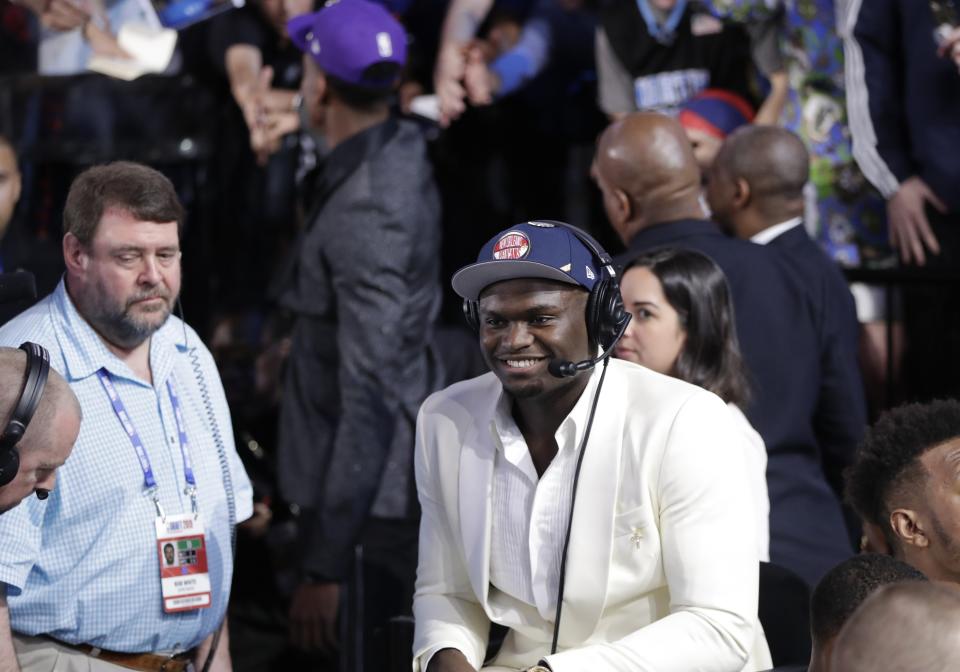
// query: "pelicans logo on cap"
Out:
[512,245]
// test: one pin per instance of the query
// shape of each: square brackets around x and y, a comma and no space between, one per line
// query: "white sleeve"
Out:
[445,610]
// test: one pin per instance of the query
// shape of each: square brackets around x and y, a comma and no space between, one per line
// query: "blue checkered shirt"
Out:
[83,566]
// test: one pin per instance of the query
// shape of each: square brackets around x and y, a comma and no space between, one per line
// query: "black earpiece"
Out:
[34,380]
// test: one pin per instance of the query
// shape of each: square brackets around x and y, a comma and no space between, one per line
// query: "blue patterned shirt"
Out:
[83,566]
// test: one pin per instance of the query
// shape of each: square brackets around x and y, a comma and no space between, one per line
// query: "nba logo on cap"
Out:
[384,45]
[512,245]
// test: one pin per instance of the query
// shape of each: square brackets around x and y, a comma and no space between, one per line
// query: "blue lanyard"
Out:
[663,34]
[149,482]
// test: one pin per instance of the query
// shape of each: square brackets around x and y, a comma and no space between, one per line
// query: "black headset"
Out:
[606,317]
[35,379]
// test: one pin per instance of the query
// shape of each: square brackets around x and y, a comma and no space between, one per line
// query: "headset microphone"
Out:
[561,368]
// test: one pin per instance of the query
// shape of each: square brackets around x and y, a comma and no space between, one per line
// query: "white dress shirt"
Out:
[770,233]
[530,512]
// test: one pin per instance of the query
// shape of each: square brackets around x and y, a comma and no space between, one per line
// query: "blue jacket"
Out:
[841,413]
[778,333]
[902,99]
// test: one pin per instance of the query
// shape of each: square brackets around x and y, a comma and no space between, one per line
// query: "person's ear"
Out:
[322,92]
[741,193]
[313,92]
[75,256]
[623,204]
[908,527]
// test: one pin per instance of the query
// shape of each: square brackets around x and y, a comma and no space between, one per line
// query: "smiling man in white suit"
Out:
[613,491]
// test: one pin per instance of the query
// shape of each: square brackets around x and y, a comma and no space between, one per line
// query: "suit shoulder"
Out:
[648,393]
[466,395]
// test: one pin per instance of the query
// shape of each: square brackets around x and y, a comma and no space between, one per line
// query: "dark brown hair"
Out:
[697,289]
[137,189]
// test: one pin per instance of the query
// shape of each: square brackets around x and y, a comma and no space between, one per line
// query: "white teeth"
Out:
[520,363]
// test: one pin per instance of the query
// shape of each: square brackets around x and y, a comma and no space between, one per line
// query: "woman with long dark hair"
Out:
[683,326]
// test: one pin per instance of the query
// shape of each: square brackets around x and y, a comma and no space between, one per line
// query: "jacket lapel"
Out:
[591,536]
[476,477]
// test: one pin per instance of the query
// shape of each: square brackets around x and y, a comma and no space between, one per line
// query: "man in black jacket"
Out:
[755,192]
[651,192]
[365,290]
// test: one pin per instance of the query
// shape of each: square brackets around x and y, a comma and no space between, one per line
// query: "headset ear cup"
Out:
[471,313]
[9,464]
[594,329]
[607,312]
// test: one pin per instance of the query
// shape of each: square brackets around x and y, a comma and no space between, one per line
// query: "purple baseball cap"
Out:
[348,36]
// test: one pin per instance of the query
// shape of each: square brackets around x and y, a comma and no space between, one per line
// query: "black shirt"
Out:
[703,53]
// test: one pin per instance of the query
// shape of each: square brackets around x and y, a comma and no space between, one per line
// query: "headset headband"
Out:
[598,252]
[38,368]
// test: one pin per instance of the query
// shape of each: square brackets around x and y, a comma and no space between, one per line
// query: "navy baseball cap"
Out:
[348,36]
[529,250]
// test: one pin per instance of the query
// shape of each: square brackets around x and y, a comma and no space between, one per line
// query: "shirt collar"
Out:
[569,433]
[771,232]
[85,353]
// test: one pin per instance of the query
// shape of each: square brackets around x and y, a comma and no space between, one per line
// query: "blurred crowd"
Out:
[774,179]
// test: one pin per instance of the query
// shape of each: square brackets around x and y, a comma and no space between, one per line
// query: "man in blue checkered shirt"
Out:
[82,569]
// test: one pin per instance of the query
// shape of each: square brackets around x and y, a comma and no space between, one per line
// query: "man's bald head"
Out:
[902,628]
[49,437]
[646,169]
[762,168]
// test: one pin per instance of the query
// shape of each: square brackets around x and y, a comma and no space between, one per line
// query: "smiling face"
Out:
[126,281]
[654,337]
[524,324]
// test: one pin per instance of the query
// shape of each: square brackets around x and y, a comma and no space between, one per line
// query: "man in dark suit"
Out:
[364,288]
[651,192]
[755,190]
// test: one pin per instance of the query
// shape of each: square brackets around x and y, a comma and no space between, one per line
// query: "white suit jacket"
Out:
[662,570]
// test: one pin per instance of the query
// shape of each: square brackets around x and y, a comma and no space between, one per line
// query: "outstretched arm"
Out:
[460,26]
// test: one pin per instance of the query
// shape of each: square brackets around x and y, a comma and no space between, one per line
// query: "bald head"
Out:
[50,435]
[645,166]
[761,168]
[902,628]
